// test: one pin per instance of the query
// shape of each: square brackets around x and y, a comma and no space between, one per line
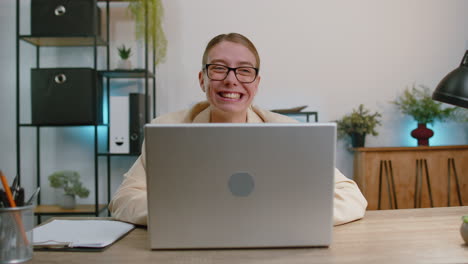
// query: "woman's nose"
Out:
[231,77]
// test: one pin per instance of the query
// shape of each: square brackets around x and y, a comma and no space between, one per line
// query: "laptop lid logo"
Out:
[241,184]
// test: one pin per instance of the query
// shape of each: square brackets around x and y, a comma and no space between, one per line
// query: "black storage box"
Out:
[65,18]
[66,96]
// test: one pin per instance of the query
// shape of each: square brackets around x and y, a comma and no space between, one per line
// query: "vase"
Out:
[464,231]
[68,201]
[124,65]
[422,134]
[358,140]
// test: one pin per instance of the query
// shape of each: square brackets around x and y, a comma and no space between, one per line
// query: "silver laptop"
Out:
[240,186]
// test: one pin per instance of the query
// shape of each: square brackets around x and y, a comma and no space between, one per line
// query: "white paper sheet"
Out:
[80,233]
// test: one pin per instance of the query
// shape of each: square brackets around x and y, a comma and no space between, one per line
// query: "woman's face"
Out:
[229,96]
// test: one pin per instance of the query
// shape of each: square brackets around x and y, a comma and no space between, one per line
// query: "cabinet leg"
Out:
[386,167]
[392,179]
[380,185]
[389,191]
[428,181]
[451,164]
[417,187]
[418,184]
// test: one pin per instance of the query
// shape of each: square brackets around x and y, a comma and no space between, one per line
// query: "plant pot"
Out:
[358,140]
[67,201]
[124,65]
[422,134]
[464,232]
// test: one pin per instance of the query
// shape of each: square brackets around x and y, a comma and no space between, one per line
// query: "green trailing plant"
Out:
[69,181]
[361,121]
[418,103]
[156,36]
[460,115]
[124,52]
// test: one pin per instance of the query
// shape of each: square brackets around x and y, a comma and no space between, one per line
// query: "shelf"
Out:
[57,210]
[68,125]
[119,154]
[125,74]
[306,114]
[63,41]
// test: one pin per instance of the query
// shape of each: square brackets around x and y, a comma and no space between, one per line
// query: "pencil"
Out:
[13,205]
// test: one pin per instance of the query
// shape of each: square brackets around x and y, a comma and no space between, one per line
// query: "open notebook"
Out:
[63,234]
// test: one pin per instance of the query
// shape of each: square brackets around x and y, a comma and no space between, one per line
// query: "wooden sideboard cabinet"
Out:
[412,177]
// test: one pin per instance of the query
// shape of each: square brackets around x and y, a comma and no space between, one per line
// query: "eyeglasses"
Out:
[218,72]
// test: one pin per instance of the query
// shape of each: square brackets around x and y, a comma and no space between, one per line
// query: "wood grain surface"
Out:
[428,235]
[403,159]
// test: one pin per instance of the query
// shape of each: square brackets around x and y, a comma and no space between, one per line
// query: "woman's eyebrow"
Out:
[218,61]
[242,63]
[246,63]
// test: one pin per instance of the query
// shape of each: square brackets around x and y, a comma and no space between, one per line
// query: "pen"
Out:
[14,186]
[33,196]
[11,201]
[13,204]
[3,198]
[19,197]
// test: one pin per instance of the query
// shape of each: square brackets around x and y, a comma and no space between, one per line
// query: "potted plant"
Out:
[357,125]
[124,54]
[418,103]
[156,36]
[69,181]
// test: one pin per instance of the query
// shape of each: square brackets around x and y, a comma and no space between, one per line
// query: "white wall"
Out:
[331,55]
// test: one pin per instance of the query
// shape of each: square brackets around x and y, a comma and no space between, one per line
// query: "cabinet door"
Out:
[373,178]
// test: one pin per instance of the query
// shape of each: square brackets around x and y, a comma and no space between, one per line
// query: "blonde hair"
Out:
[231,37]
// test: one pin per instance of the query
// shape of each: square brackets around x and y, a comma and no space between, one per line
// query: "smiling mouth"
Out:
[230,95]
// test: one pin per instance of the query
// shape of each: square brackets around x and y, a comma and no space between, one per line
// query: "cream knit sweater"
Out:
[129,202]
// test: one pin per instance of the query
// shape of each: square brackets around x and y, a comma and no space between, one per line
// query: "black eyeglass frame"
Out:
[229,70]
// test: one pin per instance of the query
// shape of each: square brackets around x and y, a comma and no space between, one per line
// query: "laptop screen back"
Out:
[240,186]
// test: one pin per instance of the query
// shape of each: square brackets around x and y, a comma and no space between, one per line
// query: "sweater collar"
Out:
[204,116]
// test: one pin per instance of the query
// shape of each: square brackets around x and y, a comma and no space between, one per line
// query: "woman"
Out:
[229,78]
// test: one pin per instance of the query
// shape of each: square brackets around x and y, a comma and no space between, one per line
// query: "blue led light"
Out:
[105,112]
[408,140]
[443,134]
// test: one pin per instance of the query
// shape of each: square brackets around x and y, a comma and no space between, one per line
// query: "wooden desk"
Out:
[429,235]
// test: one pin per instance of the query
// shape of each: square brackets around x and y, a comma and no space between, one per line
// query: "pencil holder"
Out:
[16,234]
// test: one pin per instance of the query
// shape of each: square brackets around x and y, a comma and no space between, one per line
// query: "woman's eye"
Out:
[219,68]
[245,71]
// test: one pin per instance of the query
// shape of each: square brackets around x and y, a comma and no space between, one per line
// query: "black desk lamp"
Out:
[453,89]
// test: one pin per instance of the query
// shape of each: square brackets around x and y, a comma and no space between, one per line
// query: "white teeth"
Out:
[231,95]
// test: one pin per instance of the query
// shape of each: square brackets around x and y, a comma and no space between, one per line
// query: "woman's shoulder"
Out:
[175,117]
[183,116]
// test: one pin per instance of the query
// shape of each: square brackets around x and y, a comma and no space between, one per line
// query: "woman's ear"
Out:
[201,81]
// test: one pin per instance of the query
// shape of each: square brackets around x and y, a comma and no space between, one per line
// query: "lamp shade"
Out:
[453,89]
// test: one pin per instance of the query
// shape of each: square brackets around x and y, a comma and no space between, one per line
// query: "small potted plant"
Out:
[357,125]
[418,103]
[124,54]
[70,182]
